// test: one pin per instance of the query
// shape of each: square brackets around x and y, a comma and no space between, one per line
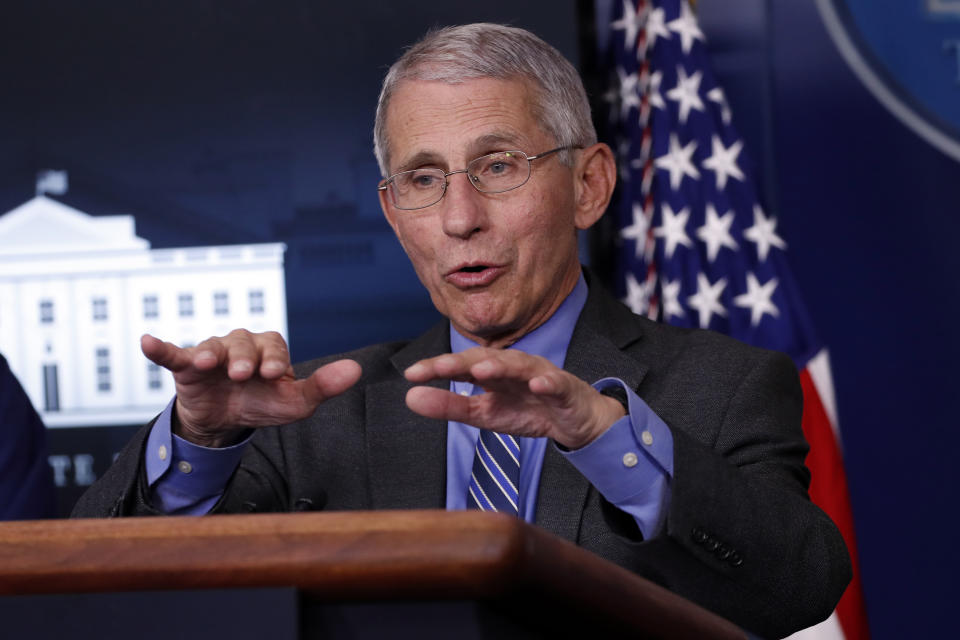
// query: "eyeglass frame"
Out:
[383,186]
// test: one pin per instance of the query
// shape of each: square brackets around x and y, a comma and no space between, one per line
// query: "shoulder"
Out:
[680,363]
[657,342]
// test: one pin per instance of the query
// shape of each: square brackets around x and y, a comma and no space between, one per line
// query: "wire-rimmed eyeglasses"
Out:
[493,173]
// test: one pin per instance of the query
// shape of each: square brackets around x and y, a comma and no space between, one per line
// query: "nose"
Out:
[464,208]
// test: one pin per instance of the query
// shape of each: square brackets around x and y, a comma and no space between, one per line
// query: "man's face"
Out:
[498,265]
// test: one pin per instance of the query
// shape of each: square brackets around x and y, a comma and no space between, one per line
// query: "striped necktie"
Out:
[496,474]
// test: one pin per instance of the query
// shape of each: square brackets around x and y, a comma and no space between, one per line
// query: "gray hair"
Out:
[484,50]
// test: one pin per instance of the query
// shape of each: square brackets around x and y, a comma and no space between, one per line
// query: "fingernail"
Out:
[241,366]
[482,368]
[415,370]
[273,367]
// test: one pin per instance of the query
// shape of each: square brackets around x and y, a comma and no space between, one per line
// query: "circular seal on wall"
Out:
[908,56]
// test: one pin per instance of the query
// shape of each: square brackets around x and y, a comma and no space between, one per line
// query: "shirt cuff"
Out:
[186,477]
[631,463]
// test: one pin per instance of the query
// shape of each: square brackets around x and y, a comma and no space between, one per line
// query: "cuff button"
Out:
[647,438]
[630,459]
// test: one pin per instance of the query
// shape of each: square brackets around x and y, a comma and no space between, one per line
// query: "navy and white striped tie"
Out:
[496,474]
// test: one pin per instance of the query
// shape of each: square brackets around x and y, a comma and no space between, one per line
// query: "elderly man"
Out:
[676,454]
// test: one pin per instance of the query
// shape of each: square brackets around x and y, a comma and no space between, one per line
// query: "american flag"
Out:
[695,245]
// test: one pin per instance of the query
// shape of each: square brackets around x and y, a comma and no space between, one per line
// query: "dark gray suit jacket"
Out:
[741,536]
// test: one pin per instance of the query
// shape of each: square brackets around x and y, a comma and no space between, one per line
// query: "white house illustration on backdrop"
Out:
[78,291]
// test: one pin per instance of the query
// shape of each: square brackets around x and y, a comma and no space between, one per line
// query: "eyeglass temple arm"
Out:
[546,153]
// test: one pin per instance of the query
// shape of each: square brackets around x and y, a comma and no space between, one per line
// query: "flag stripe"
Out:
[828,490]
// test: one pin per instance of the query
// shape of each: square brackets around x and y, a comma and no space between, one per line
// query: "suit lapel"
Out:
[603,330]
[406,452]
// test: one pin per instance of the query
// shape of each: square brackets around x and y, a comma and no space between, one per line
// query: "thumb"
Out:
[330,380]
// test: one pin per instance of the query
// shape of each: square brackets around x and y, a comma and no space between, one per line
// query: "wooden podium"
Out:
[353,574]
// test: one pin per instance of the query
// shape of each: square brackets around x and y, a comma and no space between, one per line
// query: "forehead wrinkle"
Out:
[494,124]
[497,141]
[486,143]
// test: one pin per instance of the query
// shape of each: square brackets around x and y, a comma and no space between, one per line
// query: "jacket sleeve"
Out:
[742,537]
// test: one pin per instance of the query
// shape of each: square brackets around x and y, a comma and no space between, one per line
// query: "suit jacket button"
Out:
[249,507]
[698,535]
[723,552]
[303,504]
[735,559]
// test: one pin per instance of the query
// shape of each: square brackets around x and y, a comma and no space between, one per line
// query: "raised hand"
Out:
[242,380]
[526,396]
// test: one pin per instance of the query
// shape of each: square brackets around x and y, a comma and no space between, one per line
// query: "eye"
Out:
[420,179]
[498,165]
[424,179]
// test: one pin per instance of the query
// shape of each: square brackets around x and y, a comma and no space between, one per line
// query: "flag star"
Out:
[707,299]
[763,233]
[678,162]
[638,230]
[716,95]
[716,232]
[686,26]
[653,90]
[656,28]
[757,298]
[629,97]
[687,93]
[638,295]
[671,299]
[630,23]
[723,162]
[673,229]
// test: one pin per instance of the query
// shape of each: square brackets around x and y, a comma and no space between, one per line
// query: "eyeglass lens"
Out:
[492,173]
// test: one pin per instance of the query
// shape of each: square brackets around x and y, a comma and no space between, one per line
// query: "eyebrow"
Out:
[422,158]
[491,140]
[482,145]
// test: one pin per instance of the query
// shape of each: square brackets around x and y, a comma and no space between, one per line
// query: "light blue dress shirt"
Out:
[630,464]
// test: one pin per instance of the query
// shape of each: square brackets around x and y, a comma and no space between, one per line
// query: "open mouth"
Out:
[474,275]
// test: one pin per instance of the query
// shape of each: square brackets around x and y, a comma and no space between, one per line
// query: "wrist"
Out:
[607,410]
[212,439]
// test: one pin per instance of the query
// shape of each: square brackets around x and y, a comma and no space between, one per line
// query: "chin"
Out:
[486,326]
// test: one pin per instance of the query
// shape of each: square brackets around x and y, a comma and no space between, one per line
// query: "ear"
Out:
[388,212]
[595,175]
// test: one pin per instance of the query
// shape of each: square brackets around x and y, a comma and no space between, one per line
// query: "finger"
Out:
[510,366]
[166,354]
[543,385]
[463,366]
[330,380]
[440,404]
[238,351]
[274,356]
[445,366]
[554,387]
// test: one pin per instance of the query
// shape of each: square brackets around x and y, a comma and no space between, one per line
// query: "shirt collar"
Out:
[551,339]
